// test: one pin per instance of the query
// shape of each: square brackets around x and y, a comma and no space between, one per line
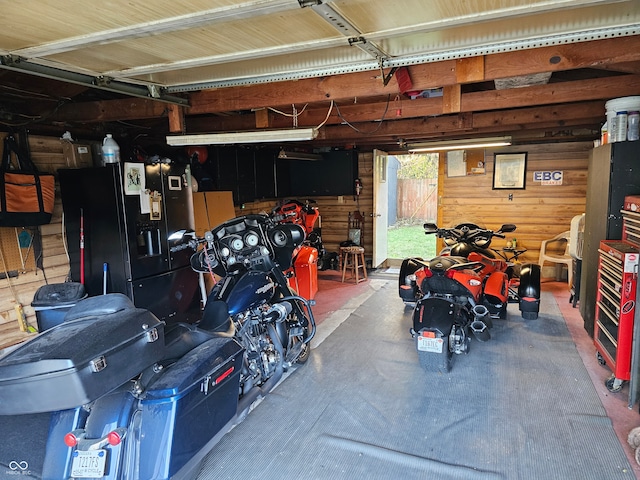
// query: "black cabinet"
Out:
[127,238]
[614,172]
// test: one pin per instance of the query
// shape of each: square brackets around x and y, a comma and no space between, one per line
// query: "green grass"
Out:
[410,241]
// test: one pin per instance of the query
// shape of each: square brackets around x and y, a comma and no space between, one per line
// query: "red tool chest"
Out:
[615,308]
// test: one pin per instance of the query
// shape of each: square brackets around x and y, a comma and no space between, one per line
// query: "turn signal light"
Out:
[70,440]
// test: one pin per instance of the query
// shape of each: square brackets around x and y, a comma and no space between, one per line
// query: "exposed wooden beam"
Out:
[571,56]
[598,53]
[262,118]
[470,70]
[176,119]
[556,116]
[576,91]
[451,98]
[112,110]
[556,93]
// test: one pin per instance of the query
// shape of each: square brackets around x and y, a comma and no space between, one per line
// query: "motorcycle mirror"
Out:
[508,227]
[180,234]
[430,228]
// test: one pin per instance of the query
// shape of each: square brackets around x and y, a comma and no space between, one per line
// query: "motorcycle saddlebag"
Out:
[188,406]
[78,361]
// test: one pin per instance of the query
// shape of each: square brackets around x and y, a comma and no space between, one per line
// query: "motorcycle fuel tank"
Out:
[250,290]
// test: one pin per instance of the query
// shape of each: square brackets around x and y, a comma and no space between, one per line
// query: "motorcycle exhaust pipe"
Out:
[480,330]
[481,313]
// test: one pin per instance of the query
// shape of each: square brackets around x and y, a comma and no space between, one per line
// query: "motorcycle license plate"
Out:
[88,463]
[426,344]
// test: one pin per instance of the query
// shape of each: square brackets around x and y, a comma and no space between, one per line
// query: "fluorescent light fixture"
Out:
[289,155]
[464,144]
[256,136]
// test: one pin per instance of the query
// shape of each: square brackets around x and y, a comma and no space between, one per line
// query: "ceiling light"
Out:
[464,144]
[257,136]
[289,155]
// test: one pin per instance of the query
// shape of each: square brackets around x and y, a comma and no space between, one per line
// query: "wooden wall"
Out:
[49,154]
[539,211]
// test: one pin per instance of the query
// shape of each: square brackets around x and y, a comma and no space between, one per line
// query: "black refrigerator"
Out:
[128,213]
[614,172]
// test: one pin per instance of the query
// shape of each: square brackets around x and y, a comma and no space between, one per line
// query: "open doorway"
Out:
[413,200]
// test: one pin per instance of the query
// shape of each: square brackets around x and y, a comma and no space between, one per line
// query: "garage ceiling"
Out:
[179,52]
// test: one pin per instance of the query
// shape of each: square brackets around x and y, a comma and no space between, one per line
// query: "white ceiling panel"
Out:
[197,44]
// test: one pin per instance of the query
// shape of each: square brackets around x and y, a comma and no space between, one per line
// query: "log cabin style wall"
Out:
[539,211]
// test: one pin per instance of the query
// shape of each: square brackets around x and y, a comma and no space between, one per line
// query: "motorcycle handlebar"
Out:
[193,244]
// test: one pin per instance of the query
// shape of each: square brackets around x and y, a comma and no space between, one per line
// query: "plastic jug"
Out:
[110,150]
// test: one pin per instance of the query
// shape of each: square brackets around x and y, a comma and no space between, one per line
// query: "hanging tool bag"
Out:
[26,196]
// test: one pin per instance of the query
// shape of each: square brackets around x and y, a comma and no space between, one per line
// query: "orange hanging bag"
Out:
[26,196]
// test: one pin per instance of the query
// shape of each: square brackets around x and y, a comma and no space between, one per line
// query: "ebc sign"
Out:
[548,177]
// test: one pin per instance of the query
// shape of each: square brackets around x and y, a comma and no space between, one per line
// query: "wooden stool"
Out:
[353,260]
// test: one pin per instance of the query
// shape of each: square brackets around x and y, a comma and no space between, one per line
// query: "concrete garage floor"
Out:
[524,405]
[331,298]
[369,411]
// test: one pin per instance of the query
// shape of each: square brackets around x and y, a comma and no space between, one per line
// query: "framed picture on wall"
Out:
[509,171]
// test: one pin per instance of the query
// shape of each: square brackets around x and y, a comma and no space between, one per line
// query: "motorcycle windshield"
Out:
[467,225]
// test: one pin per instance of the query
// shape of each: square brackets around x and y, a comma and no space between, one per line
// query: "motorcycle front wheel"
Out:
[304,356]
[295,340]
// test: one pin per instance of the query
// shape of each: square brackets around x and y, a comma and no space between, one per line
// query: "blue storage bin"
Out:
[52,302]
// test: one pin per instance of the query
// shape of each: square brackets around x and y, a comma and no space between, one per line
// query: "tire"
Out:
[502,315]
[306,348]
[435,362]
[530,315]
[304,356]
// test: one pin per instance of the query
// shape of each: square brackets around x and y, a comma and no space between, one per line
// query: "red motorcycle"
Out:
[308,257]
[457,293]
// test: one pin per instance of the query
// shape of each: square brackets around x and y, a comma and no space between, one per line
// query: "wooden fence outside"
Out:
[417,199]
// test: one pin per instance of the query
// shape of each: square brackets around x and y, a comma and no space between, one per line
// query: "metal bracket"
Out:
[387,78]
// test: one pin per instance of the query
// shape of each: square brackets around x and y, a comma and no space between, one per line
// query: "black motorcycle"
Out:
[132,398]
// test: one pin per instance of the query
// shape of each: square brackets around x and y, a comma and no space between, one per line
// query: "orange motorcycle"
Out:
[456,294]
[308,257]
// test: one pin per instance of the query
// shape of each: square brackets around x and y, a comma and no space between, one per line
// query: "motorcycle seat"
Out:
[215,317]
